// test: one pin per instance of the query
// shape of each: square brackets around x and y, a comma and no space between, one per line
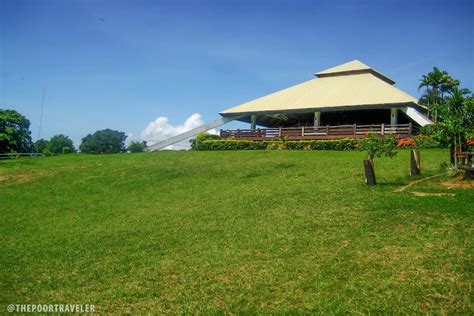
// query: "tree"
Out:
[15,135]
[376,146]
[437,84]
[40,145]
[452,108]
[60,144]
[458,120]
[137,147]
[105,141]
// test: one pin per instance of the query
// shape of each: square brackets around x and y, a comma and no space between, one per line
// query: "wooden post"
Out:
[415,162]
[369,172]
[417,158]
[279,131]
[355,130]
[302,130]
[410,128]
[383,129]
[327,129]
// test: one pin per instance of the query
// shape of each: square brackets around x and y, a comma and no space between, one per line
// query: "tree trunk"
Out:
[369,172]
[415,162]
[451,153]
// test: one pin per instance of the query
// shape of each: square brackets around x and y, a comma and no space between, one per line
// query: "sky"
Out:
[156,68]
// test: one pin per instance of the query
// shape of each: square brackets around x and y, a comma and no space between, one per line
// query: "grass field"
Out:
[269,231]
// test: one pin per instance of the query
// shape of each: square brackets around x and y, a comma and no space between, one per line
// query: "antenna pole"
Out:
[41,115]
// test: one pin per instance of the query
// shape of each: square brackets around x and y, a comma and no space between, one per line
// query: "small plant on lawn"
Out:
[376,146]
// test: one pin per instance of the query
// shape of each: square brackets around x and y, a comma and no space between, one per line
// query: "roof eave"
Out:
[326,109]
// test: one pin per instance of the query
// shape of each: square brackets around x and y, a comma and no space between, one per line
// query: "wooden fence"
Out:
[319,132]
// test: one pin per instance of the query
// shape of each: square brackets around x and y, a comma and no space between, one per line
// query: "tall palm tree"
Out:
[437,84]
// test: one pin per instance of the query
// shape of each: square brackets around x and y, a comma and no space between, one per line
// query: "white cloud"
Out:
[161,129]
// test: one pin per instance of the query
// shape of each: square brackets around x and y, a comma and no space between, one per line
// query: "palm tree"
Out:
[437,84]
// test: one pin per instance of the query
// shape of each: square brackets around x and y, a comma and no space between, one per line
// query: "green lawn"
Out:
[248,231]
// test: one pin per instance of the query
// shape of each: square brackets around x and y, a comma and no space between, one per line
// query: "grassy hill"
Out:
[270,231]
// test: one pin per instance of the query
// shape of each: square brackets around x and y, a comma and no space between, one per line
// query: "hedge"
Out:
[341,144]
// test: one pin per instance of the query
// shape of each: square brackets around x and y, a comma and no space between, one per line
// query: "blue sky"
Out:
[121,64]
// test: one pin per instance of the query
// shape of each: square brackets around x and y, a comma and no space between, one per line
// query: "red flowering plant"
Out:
[417,142]
[406,142]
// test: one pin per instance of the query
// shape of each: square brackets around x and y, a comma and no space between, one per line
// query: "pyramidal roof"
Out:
[352,85]
[349,66]
[354,66]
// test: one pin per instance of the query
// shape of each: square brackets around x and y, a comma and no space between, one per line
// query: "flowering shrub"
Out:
[407,142]
[420,141]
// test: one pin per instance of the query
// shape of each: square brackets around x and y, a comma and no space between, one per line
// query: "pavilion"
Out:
[349,100]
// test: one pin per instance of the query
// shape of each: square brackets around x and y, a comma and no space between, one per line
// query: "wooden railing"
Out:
[319,132]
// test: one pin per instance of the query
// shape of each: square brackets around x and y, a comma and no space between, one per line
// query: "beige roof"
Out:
[350,66]
[353,84]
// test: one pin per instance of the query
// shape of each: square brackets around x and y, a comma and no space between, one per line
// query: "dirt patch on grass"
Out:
[458,183]
[16,178]
[432,194]
[403,188]
[20,177]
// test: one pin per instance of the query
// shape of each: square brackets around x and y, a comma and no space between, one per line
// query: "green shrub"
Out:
[336,144]
[136,146]
[201,137]
[225,144]
[437,132]
[378,146]
[231,145]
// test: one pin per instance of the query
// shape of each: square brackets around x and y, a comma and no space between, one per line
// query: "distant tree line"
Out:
[15,137]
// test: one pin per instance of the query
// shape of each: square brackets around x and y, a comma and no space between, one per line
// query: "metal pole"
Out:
[41,115]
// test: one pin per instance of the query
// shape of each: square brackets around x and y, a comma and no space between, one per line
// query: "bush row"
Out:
[342,144]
